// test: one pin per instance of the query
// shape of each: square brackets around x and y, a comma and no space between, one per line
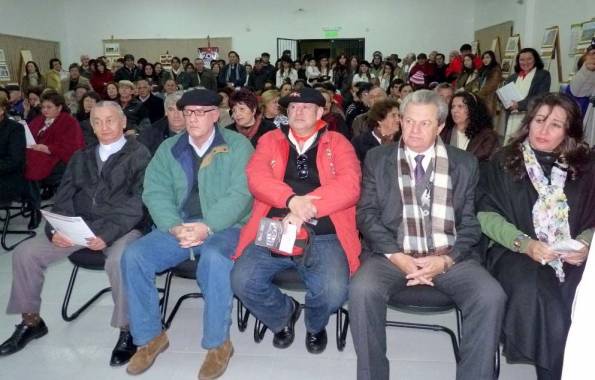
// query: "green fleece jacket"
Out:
[223,190]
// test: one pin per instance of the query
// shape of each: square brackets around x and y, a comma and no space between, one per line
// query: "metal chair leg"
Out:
[459,315]
[174,311]
[342,327]
[259,331]
[73,316]
[423,326]
[243,314]
[165,298]
[6,231]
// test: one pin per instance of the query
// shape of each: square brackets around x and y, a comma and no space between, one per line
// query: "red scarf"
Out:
[301,139]
[250,131]
[523,74]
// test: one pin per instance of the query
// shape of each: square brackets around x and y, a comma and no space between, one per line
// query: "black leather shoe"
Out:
[35,219]
[123,351]
[284,338]
[316,343]
[22,335]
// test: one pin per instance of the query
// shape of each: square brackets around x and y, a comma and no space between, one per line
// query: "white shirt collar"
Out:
[144,99]
[307,144]
[376,137]
[106,150]
[200,151]
[428,155]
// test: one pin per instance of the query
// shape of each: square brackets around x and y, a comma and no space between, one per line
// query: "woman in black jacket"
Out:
[531,80]
[385,128]
[12,155]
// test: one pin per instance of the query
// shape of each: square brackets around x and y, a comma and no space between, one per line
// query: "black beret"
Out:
[199,97]
[305,95]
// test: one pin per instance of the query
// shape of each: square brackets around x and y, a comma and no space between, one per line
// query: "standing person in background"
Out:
[233,74]
[341,74]
[583,85]
[531,80]
[468,79]
[85,66]
[363,74]
[455,65]
[206,78]
[421,74]
[286,73]
[100,78]
[54,76]
[490,77]
[129,71]
[376,66]
[32,77]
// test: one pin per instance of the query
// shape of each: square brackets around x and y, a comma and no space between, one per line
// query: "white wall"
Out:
[387,25]
[531,17]
[42,19]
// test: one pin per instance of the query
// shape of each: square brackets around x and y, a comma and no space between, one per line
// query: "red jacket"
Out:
[98,81]
[340,178]
[63,138]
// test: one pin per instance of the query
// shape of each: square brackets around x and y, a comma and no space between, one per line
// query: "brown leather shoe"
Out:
[216,361]
[145,356]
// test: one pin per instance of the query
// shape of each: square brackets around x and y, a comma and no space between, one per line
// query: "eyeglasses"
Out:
[302,166]
[197,113]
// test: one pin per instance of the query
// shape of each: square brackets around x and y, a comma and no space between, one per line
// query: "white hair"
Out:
[107,103]
[426,97]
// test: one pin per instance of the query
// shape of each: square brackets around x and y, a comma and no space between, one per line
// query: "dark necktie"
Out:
[419,169]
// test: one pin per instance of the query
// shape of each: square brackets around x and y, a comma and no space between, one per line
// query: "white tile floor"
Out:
[81,349]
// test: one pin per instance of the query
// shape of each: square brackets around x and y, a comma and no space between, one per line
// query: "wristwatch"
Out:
[517,242]
[209,231]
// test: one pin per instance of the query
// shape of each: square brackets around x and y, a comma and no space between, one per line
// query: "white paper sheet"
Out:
[567,245]
[508,94]
[28,135]
[73,227]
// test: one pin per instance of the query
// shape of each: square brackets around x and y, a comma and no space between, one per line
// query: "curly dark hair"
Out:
[573,150]
[379,111]
[479,117]
[246,97]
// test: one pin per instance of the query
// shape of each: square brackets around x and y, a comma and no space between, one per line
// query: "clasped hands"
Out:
[301,209]
[543,254]
[190,234]
[422,270]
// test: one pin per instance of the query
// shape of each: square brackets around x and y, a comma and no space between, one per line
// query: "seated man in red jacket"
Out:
[300,173]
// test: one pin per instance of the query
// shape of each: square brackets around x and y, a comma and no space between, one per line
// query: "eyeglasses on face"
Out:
[302,166]
[197,113]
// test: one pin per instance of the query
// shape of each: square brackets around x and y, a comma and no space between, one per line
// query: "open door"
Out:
[287,44]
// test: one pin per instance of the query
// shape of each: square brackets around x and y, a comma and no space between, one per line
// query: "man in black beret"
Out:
[195,190]
[308,176]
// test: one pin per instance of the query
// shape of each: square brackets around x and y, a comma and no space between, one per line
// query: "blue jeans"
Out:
[325,274]
[158,251]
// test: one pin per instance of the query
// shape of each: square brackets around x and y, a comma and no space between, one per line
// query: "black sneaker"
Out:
[123,350]
[284,338]
[22,335]
[316,343]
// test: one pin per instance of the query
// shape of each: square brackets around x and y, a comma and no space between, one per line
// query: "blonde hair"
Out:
[267,97]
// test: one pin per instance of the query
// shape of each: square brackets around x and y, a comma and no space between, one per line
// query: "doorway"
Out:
[317,48]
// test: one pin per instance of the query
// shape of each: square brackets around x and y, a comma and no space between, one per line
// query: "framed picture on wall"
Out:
[111,48]
[507,66]
[549,37]
[2,56]
[588,31]
[547,61]
[475,47]
[4,72]
[512,45]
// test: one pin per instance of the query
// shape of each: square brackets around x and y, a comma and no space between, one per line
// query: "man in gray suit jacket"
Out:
[417,217]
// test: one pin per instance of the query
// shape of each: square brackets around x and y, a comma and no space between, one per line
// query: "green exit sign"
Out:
[331,33]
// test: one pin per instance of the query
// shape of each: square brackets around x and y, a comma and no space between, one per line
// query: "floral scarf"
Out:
[550,212]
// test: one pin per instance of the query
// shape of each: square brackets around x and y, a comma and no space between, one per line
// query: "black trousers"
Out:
[478,295]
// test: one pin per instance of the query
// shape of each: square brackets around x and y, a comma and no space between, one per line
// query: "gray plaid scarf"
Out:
[441,213]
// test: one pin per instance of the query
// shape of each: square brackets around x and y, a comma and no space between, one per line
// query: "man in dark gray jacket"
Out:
[417,217]
[103,185]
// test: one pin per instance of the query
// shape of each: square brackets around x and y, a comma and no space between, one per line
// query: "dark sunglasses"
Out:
[302,166]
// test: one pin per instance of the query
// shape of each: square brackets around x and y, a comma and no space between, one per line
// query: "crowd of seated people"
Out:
[390,171]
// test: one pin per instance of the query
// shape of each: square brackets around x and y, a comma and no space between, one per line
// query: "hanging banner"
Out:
[208,54]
